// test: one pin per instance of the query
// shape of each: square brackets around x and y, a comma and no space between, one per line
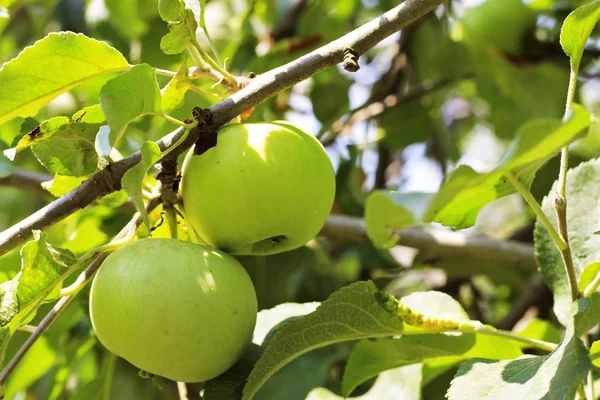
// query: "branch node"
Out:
[350,60]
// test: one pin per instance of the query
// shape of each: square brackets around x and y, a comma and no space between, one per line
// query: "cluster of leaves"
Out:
[358,340]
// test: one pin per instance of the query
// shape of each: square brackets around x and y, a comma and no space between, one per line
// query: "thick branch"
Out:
[441,243]
[362,39]
[261,88]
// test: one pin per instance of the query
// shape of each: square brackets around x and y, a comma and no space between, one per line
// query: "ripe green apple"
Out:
[265,188]
[502,24]
[173,308]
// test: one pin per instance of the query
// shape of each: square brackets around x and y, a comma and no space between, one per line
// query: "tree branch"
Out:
[441,243]
[27,180]
[258,90]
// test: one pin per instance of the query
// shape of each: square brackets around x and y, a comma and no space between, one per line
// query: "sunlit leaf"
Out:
[466,191]
[51,66]
[41,267]
[128,96]
[576,30]
[349,314]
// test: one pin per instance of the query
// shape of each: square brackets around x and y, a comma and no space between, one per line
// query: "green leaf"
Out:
[370,358]
[133,179]
[588,274]
[90,114]
[595,353]
[51,66]
[69,151]
[181,33]
[387,212]
[41,132]
[555,376]
[466,191]
[583,190]
[128,96]
[171,10]
[587,313]
[576,31]
[41,268]
[314,367]
[463,195]
[173,94]
[231,382]
[349,314]
[519,94]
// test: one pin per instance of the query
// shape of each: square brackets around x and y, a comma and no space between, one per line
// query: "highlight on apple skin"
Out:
[265,188]
[172,308]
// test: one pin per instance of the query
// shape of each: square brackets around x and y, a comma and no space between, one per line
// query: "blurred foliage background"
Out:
[451,89]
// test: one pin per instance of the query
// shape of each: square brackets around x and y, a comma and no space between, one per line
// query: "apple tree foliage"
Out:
[456,124]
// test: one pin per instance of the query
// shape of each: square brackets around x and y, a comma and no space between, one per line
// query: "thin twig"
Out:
[372,110]
[440,243]
[560,205]
[258,90]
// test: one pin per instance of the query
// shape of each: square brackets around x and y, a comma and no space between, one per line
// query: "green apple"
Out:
[263,189]
[173,308]
[501,24]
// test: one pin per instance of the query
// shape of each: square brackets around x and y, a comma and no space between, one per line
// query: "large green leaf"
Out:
[349,314]
[553,376]
[41,267]
[128,96]
[583,190]
[576,31]
[50,67]
[466,191]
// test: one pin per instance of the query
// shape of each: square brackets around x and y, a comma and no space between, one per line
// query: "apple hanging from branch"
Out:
[173,308]
[264,188]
